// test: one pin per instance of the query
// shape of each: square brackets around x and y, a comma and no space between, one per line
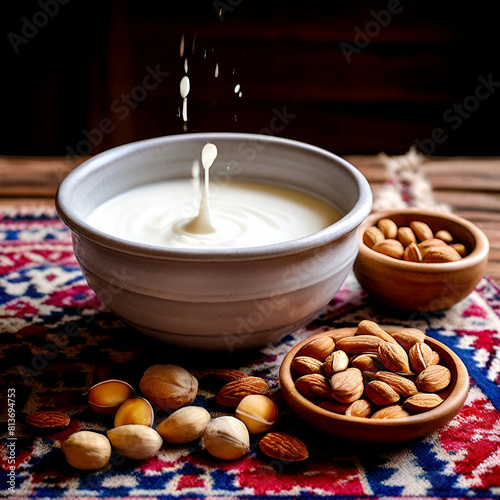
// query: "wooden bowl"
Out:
[417,286]
[379,430]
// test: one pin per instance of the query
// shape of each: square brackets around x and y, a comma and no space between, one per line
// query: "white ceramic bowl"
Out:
[217,298]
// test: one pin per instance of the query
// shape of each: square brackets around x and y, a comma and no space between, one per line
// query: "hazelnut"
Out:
[257,412]
[106,397]
[135,410]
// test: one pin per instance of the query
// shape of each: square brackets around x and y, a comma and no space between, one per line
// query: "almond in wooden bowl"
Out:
[428,285]
[379,429]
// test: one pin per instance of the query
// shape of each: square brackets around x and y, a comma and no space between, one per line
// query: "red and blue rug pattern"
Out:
[58,340]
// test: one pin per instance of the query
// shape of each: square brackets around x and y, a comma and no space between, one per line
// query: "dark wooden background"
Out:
[81,64]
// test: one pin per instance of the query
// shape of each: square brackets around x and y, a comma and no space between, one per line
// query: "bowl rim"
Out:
[78,225]
[440,412]
[478,254]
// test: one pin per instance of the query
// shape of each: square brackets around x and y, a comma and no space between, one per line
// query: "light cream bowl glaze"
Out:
[216,298]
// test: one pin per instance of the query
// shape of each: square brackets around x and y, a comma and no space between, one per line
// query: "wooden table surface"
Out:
[470,186]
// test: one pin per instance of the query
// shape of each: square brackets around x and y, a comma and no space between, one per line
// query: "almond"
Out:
[460,248]
[334,406]
[435,359]
[347,386]
[338,361]
[393,357]
[284,447]
[372,235]
[408,336]
[391,248]
[444,235]
[229,374]
[233,392]
[441,254]
[304,365]
[367,327]
[431,243]
[422,402]
[48,419]
[381,393]
[319,348]
[434,378]
[365,362]
[420,357]
[314,385]
[412,253]
[401,385]
[360,408]
[360,344]
[392,411]
[421,230]
[388,227]
[406,236]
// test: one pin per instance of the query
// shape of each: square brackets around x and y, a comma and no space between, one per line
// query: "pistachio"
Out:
[87,450]
[184,425]
[135,441]
[226,438]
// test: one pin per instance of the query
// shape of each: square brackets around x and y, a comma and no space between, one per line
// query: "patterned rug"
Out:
[57,340]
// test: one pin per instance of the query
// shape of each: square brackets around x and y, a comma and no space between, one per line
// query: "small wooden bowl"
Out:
[416,286]
[379,430]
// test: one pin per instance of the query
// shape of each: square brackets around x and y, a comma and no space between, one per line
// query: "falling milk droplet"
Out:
[185,109]
[181,49]
[237,88]
[185,65]
[217,70]
[240,94]
[184,86]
